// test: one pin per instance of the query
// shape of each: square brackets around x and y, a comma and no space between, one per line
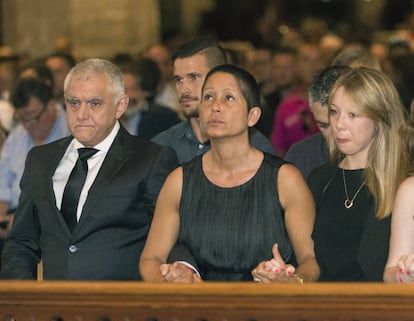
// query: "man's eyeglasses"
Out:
[29,118]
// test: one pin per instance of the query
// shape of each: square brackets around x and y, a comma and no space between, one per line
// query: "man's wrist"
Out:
[189,266]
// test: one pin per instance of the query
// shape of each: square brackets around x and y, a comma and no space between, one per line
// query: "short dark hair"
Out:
[247,83]
[323,82]
[27,88]
[206,45]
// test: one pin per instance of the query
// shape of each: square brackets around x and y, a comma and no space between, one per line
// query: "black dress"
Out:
[229,231]
[350,243]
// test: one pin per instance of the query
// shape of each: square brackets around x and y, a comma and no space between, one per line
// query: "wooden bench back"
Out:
[139,301]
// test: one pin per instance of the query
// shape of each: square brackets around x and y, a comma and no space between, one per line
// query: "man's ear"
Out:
[122,106]
[254,116]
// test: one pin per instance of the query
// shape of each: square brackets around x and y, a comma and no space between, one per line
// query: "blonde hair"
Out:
[387,161]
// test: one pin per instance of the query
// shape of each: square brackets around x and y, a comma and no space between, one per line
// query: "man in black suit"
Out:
[115,207]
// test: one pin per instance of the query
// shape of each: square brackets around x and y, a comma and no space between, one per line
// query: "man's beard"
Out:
[193,113]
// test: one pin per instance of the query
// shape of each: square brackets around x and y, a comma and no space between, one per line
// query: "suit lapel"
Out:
[52,160]
[114,161]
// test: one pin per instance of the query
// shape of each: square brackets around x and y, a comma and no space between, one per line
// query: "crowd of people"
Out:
[194,164]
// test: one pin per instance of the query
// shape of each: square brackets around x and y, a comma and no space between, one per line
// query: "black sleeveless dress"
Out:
[229,231]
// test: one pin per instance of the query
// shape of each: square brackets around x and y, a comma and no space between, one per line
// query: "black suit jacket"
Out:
[108,239]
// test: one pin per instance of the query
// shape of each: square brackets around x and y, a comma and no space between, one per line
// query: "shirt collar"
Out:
[188,132]
[103,145]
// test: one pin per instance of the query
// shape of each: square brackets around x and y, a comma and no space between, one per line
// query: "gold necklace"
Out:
[350,202]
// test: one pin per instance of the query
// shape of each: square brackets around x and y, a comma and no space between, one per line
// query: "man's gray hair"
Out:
[322,83]
[97,66]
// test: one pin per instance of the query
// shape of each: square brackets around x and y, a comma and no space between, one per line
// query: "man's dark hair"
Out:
[206,45]
[27,88]
[323,82]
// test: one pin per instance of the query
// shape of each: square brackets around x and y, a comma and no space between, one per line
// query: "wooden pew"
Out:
[130,301]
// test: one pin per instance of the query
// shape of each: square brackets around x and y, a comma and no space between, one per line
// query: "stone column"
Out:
[95,28]
[103,28]
[31,26]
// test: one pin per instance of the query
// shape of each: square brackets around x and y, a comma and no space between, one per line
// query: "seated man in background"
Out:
[42,121]
[312,151]
[60,64]
[144,117]
[293,120]
[166,94]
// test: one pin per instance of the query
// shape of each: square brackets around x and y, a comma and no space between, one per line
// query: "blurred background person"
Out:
[285,78]
[166,94]
[284,73]
[37,70]
[8,73]
[293,120]
[60,65]
[41,120]
[144,117]
[356,57]
[330,45]
[260,65]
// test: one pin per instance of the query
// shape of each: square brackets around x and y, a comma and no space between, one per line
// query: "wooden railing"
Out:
[130,301]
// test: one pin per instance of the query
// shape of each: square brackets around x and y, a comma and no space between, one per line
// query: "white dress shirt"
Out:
[68,161]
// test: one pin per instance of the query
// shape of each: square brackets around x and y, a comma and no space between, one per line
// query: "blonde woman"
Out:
[355,192]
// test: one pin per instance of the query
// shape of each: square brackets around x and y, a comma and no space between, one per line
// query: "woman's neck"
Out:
[352,163]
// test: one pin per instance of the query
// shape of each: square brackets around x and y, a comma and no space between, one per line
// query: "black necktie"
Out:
[74,186]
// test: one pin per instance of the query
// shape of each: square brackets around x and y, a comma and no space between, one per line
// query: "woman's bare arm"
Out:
[164,229]
[297,200]
[401,253]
